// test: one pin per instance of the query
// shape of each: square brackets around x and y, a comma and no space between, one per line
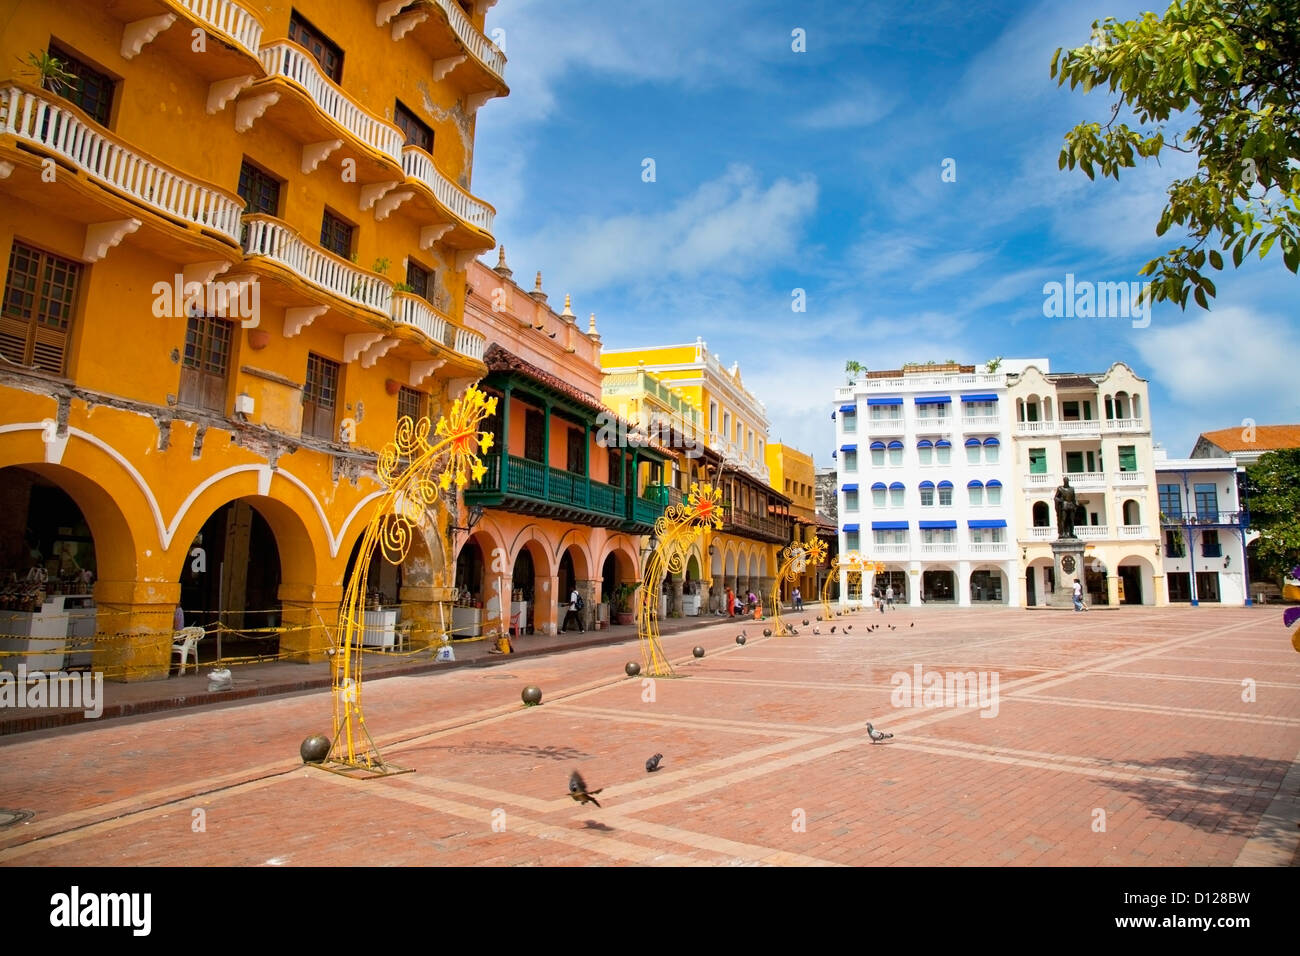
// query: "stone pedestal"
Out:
[1067,556]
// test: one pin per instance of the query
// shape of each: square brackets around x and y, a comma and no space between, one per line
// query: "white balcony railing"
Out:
[885,425]
[229,19]
[1129,477]
[277,241]
[1038,481]
[418,165]
[1040,534]
[939,548]
[1087,479]
[1088,532]
[1133,531]
[890,548]
[983,422]
[1124,425]
[484,50]
[1089,427]
[42,120]
[292,62]
[988,547]
[470,344]
[411,310]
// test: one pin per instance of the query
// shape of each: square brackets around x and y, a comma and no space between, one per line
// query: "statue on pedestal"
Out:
[1067,505]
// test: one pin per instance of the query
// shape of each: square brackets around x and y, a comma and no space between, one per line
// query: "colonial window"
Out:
[878,497]
[1210,547]
[895,453]
[92,91]
[534,435]
[945,495]
[336,234]
[1175,546]
[850,461]
[942,454]
[410,404]
[850,422]
[993,494]
[1128,458]
[206,366]
[259,190]
[615,468]
[1207,500]
[850,541]
[327,54]
[40,294]
[417,132]
[575,460]
[927,497]
[973,453]
[419,279]
[850,501]
[320,397]
[878,456]
[1171,501]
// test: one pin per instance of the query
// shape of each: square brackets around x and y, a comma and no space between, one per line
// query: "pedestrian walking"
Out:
[798,600]
[889,596]
[575,605]
[1078,596]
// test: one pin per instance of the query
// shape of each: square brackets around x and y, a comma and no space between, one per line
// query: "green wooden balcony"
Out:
[533,488]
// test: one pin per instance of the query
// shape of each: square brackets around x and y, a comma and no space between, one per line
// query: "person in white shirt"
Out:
[573,615]
[1078,596]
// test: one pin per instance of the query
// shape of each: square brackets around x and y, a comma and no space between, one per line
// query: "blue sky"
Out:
[822,170]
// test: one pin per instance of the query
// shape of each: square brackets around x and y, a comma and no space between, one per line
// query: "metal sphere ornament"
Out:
[632,668]
[740,639]
[767,632]
[315,748]
[532,696]
[698,652]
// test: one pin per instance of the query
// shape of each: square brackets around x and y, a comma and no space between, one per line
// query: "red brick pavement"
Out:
[1137,715]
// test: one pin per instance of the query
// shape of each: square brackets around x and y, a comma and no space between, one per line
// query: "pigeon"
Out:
[832,628]
[876,737]
[551,334]
[892,628]
[848,627]
[578,790]
[540,327]
[817,630]
[913,624]
[651,765]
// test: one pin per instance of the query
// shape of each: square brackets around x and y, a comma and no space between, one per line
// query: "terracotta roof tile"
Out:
[1267,438]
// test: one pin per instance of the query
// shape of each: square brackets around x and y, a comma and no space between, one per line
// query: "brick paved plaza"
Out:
[1137,713]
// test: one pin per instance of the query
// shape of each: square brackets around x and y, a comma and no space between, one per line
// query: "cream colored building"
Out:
[1095,429]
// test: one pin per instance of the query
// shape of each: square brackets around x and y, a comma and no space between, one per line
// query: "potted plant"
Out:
[623,601]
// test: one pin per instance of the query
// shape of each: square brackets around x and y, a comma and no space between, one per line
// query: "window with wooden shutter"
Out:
[417,132]
[35,318]
[577,451]
[206,366]
[410,404]
[336,234]
[259,190]
[326,52]
[534,436]
[419,279]
[320,397]
[92,90]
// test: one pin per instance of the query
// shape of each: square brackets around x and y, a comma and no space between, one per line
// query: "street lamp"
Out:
[474,516]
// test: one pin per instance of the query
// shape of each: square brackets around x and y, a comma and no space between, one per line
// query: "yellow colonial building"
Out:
[235,239]
[685,395]
[793,473]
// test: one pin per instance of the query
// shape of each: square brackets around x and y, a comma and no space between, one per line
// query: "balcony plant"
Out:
[51,72]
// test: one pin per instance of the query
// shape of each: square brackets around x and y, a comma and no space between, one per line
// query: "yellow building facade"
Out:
[723,435]
[793,473]
[236,238]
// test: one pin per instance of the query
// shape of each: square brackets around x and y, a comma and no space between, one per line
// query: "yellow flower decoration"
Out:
[704,508]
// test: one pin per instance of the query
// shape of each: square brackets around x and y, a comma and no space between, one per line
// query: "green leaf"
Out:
[1291,253]
[1216,260]
[1239,252]
[1200,298]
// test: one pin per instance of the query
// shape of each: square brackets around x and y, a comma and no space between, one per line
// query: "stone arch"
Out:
[1137,577]
[583,564]
[988,584]
[1132,512]
[1042,514]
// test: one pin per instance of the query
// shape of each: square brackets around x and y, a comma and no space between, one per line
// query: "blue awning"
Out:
[943,443]
[850,527]
[929,525]
[878,486]
[925,443]
[852,447]
[877,446]
[933,399]
[987,523]
[895,444]
[889,526]
[884,401]
[945,484]
[995,483]
[834,454]
[991,441]
[849,409]
[832,416]
[974,483]
[972,441]
[926,484]
[897,486]
[853,486]
[981,397]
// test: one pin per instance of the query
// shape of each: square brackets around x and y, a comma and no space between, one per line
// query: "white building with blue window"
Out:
[925,473]
[1203,523]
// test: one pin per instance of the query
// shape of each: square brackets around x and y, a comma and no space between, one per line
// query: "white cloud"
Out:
[862,106]
[1231,354]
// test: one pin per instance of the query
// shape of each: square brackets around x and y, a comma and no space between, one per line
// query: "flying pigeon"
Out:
[578,790]
[876,737]
[651,765]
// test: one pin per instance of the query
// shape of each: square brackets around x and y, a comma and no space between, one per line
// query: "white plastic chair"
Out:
[187,644]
